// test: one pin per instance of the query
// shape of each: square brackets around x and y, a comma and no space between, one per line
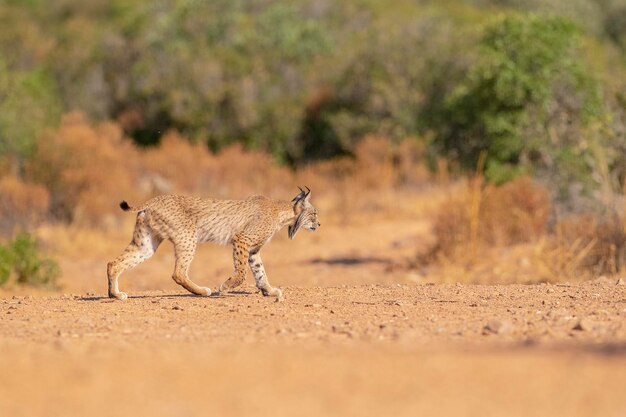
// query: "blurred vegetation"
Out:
[525,102]
[104,100]
[536,85]
[22,258]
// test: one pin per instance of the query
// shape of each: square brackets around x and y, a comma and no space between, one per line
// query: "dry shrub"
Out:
[409,164]
[22,205]
[86,169]
[180,166]
[240,172]
[499,234]
[176,165]
[372,181]
[590,245]
[374,169]
[516,212]
[478,215]
[380,164]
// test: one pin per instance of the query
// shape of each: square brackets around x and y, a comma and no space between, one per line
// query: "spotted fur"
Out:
[186,221]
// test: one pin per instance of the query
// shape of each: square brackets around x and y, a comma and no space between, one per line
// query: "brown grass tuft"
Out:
[371,182]
[478,215]
[86,169]
[23,205]
[590,245]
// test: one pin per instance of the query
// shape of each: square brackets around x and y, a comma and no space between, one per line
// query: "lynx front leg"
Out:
[240,254]
[256,265]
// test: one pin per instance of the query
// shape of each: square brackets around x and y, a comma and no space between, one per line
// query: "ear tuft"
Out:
[299,197]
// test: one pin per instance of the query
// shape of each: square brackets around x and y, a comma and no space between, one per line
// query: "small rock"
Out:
[498,327]
[177,307]
[621,281]
[584,324]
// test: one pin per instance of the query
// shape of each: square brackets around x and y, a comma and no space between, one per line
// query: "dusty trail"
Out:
[358,335]
[351,350]
[417,315]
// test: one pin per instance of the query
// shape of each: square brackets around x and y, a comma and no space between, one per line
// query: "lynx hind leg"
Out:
[185,251]
[145,242]
[240,254]
[260,277]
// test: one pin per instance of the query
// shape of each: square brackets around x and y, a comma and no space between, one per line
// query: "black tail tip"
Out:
[124,206]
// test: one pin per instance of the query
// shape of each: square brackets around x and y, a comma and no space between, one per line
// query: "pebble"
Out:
[498,327]
[621,281]
[584,324]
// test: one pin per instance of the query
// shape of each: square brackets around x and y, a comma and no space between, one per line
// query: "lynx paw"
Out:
[120,296]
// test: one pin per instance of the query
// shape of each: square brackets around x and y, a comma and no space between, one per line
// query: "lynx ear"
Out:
[302,197]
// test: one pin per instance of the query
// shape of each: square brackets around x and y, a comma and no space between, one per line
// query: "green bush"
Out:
[23,258]
[525,103]
[6,264]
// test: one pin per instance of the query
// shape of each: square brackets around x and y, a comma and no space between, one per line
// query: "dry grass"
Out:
[372,183]
[86,169]
[484,216]
[22,205]
[591,245]
[488,234]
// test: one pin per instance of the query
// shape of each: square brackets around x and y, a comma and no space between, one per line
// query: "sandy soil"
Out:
[356,335]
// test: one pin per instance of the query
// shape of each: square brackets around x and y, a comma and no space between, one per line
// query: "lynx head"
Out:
[306,214]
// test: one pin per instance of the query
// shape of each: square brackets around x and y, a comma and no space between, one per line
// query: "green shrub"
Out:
[29,267]
[6,264]
[525,103]
[23,258]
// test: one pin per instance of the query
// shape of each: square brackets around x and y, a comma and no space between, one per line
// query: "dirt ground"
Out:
[356,335]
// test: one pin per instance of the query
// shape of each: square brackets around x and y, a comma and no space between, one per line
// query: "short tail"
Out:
[124,206]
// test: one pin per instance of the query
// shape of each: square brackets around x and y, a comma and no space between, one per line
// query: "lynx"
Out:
[186,221]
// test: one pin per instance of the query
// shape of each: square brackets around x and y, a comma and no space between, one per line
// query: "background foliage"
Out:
[536,85]
[103,100]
